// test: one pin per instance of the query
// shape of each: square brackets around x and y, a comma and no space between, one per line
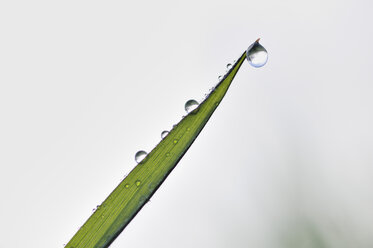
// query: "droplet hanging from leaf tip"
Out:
[256,54]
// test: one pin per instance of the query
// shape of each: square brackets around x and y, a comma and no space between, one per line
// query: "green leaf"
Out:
[121,206]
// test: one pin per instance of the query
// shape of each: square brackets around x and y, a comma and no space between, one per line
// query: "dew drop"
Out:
[140,155]
[256,54]
[127,185]
[191,105]
[220,77]
[167,154]
[188,129]
[138,182]
[175,141]
[164,134]
[229,66]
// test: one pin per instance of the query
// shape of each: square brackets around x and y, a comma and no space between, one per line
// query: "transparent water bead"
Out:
[229,66]
[164,134]
[191,105]
[140,155]
[256,54]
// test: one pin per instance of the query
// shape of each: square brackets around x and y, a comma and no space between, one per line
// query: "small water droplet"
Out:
[164,134]
[138,182]
[140,155]
[175,141]
[167,154]
[229,66]
[256,54]
[188,129]
[127,185]
[191,105]
[220,77]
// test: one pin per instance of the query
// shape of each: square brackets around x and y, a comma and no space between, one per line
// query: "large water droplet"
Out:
[191,105]
[256,54]
[164,134]
[140,155]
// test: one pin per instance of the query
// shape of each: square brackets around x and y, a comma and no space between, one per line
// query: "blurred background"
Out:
[285,161]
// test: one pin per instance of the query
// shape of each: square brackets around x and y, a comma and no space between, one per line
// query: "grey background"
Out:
[285,161]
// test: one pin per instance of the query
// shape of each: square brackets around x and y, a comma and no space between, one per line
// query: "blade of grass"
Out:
[122,205]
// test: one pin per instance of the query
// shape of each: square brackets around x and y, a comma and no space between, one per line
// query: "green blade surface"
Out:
[122,205]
